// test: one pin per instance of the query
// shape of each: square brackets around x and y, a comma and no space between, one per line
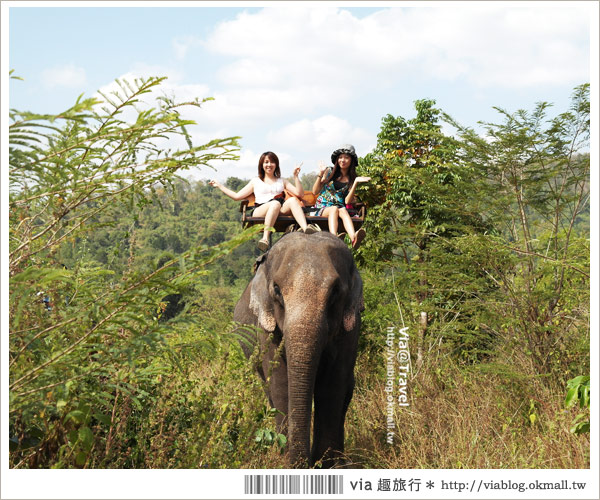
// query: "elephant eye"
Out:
[278,294]
[334,295]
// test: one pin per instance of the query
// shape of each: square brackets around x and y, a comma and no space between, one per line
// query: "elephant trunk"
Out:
[301,385]
[303,351]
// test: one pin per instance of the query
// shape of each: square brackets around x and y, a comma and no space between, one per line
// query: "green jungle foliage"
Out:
[124,276]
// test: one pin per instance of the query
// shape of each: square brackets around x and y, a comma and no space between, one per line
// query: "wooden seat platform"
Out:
[308,200]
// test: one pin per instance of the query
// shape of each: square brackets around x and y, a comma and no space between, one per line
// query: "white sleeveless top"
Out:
[264,192]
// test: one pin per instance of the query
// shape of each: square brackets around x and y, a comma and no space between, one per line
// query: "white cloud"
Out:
[320,134]
[287,72]
[253,72]
[295,67]
[183,44]
[258,106]
[296,63]
[291,46]
[505,46]
[68,75]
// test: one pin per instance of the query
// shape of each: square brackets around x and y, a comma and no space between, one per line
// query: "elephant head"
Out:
[307,293]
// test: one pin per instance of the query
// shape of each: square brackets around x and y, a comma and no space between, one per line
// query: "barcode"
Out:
[293,484]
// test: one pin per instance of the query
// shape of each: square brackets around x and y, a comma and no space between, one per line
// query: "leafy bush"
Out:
[579,393]
[87,352]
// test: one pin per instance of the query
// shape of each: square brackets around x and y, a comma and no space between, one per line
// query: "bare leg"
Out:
[292,205]
[332,214]
[348,224]
[270,211]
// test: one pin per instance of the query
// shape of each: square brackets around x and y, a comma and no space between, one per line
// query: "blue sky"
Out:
[301,79]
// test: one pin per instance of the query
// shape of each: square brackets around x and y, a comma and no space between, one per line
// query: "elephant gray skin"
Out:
[306,293]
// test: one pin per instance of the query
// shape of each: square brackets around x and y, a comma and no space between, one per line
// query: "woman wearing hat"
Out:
[334,188]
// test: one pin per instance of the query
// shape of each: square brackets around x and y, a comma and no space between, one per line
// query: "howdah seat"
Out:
[283,221]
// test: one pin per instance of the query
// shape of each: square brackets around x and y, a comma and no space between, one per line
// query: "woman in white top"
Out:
[269,196]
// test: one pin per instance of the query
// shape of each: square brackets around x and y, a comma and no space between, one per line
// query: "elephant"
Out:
[305,301]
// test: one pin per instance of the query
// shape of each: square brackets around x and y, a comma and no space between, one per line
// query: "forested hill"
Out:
[188,215]
[191,215]
[123,280]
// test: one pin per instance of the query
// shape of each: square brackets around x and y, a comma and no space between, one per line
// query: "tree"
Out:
[235,183]
[420,200]
[86,345]
[534,174]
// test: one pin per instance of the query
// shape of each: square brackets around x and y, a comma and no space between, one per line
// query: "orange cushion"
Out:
[308,198]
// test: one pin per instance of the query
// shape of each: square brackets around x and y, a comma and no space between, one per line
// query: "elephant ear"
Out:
[355,304]
[259,261]
[261,303]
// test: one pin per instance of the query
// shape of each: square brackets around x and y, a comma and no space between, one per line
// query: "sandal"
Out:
[358,238]
[342,236]
[263,245]
[311,229]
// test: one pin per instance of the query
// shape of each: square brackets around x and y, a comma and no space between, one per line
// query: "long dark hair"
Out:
[337,171]
[273,157]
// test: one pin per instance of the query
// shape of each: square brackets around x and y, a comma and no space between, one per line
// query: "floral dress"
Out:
[333,194]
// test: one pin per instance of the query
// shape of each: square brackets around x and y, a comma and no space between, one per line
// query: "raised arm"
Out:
[350,197]
[243,193]
[321,179]
[296,189]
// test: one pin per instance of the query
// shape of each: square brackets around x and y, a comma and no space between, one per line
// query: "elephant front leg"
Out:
[274,368]
[333,392]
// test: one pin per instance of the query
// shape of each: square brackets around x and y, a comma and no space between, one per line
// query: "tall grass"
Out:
[477,418]
[473,418]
